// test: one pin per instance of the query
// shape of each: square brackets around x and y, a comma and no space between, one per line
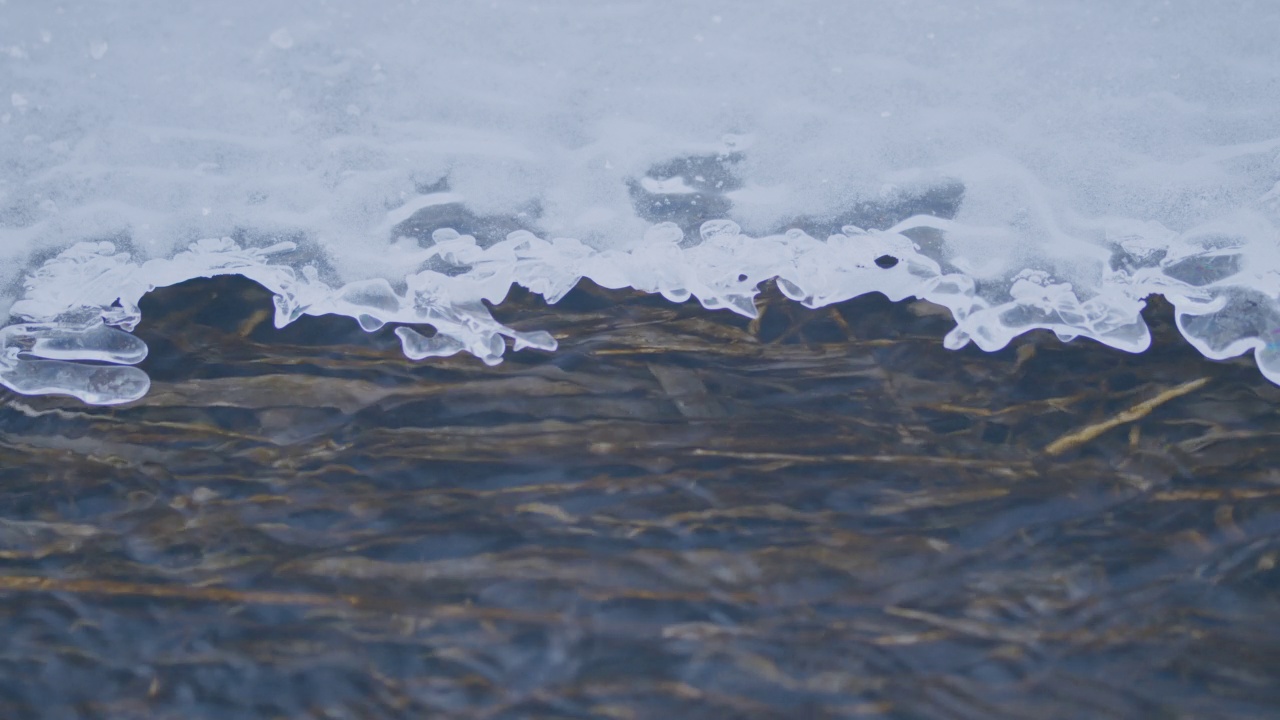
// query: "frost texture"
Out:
[1027,165]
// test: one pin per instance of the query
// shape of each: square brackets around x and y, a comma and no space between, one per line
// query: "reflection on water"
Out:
[680,514]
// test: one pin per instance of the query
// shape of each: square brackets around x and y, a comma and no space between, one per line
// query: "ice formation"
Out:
[1026,165]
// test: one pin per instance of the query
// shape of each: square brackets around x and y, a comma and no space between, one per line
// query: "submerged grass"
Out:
[681,512]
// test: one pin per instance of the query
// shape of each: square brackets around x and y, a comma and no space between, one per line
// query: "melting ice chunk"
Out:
[61,344]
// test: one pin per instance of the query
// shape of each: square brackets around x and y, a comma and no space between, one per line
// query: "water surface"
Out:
[680,513]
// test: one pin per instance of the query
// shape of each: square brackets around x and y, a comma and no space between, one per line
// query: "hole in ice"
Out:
[686,191]
[444,211]
[942,200]
[1204,270]
[886,261]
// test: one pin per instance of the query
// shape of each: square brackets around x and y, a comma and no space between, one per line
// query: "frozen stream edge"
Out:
[80,305]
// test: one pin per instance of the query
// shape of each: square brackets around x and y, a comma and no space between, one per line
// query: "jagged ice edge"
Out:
[79,305]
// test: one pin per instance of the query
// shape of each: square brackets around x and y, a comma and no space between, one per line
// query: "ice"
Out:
[281,39]
[1027,165]
[20,369]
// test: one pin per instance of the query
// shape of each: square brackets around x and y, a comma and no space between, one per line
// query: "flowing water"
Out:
[680,513]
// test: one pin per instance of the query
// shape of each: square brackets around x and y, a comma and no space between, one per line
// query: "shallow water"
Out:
[679,513]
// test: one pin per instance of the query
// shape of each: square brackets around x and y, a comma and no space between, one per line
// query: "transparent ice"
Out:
[1026,165]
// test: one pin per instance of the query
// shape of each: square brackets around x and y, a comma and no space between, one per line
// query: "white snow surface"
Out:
[1027,164]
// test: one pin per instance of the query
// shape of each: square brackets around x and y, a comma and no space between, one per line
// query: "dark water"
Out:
[678,515]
